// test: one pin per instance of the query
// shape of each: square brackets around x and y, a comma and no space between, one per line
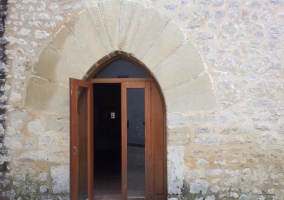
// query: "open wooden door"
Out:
[81,140]
[129,174]
[82,134]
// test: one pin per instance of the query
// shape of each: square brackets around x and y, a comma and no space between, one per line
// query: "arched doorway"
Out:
[118,122]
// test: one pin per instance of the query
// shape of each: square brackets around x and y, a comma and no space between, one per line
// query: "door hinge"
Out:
[75,150]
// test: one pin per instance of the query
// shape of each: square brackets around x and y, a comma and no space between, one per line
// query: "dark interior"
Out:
[107,138]
[107,133]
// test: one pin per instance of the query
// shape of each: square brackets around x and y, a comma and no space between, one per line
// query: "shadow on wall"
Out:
[3,68]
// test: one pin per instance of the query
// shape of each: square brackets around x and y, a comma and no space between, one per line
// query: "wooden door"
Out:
[125,86]
[81,140]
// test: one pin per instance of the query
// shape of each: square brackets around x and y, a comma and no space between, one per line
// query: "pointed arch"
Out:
[135,32]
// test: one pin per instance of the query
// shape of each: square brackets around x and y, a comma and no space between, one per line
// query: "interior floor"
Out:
[107,177]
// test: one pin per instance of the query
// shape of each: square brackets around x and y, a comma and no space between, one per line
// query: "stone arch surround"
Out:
[99,33]
[145,34]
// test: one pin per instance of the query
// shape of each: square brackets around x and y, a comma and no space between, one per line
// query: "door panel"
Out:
[135,142]
[141,90]
[81,140]
[82,133]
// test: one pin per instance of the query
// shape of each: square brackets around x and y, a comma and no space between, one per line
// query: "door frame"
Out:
[151,81]
[75,98]
[133,83]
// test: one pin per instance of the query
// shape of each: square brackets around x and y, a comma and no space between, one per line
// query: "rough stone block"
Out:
[202,161]
[193,174]
[42,176]
[207,141]
[205,130]
[58,124]
[199,186]
[45,96]
[175,170]
[197,95]
[263,102]
[57,69]
[178,136]
[15,97]
[44,156]
[35,126]
[54,141]
[177,119]
[13,143]
[215,189]
[83,28]
[214,172]
[60,179]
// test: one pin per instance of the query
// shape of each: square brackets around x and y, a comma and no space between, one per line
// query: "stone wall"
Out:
[4,170]
[218,62]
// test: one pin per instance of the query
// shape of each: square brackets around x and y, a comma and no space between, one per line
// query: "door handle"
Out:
[75,150]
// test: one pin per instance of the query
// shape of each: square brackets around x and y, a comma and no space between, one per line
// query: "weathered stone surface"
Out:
[42,176]
[207,141]
[233,134]
[35,126]
[4,158]
[129,25]
[199,186]
[58,124]
[110,11]
[44,156]
[193,174]
[46,96]
[182,65]
[67,45]
[57,69]
[97,19]
[175,170]
[82,26]
[13,142]
[15,97]
[55,141]
[167,41]
[60,179]
[193,96]
[178,136]
[151,26]
[213,172]
[202,161]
